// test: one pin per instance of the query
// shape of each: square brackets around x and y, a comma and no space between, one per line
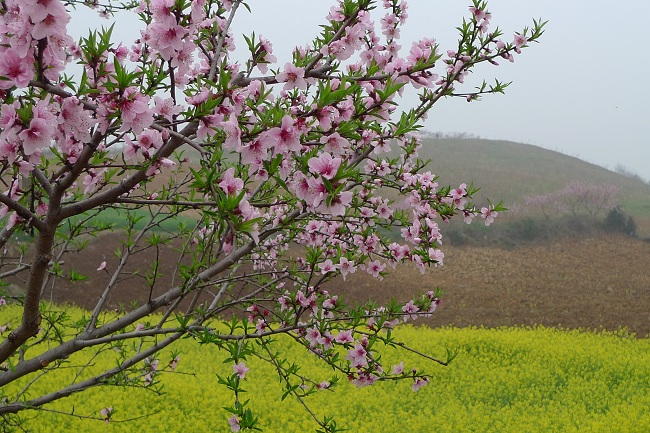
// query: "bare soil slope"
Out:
[593,283]
[584,283]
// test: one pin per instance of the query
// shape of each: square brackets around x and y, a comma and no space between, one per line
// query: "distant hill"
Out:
[510,171]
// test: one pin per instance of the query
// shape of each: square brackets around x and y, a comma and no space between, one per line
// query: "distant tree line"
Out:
[579,199]
[438,135]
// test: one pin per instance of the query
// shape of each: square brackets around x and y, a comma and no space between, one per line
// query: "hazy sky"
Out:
[582,90]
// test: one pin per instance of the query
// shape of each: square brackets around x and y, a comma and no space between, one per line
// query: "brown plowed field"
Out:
[595,283]
[574,283]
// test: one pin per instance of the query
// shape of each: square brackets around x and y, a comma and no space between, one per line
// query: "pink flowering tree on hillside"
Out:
[291,173]
[575,198]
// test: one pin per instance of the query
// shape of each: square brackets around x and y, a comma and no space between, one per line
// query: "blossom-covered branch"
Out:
[279,183]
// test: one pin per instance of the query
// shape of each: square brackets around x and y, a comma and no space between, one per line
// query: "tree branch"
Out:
[23,212]
[128,183]
[221,40]
[89,383]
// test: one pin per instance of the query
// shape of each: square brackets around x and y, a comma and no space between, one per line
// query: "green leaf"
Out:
[76,276]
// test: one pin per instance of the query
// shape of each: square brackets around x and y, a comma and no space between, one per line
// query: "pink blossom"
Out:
[152,364]
[166,36]
[121,52]
[312,335]
[410,310]
[260,326]
[327,340]
[345,110]
[240,369]
[230,184]
[375,268]
[398,252]
[411,234]
[335,144]
[162,9]
[458,195]
[388,22]
[338,205]
[198,98]
[326,267]
[92,179]
[488,215]
[419,263]
[206,125]
[308,302]
[398,368]
[25,168]
[324,116]
[233,134]
[150,139]
[479,14]
[106,413]
[130,149]
[233,421]
[357,356]
[436,255]
[254,152]
[335,14]
[37,137]
[266,55]
[102,266]
[365,379]
[284,302]
[148,378]
[344,337]
[419,383]
[18,70]
[174,363]
[166,108]
[286,137]
[384,211]
[8,115]
[54,21]
[293,77]
[346,267]
[135,111]
[324,165]
[519,40]
[417,54]
[75,120]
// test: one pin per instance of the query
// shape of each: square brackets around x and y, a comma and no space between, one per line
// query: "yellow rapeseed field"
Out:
[504,380]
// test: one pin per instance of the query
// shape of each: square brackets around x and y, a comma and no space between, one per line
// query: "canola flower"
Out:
[503,380]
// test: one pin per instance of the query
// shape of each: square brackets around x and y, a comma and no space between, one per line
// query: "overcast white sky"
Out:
[583,90]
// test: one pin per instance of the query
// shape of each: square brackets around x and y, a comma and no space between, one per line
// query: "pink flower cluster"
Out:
[150,371]
[172,35]
[33,41]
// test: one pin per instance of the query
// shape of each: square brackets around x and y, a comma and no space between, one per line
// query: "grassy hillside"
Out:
[510,171]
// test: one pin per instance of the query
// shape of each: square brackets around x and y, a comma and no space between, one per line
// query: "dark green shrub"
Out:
[619,222]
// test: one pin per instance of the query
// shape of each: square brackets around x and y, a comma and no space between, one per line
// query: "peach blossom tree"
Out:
[281,175]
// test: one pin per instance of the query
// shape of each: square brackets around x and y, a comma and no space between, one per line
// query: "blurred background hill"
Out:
[518,173]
